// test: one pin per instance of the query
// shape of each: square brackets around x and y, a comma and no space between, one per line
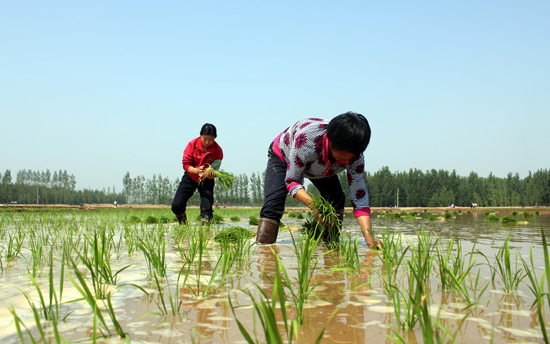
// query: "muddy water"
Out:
[358,304]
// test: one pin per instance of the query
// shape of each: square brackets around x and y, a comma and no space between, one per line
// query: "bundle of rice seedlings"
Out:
[327,215]
[508,220]
[253,220]
[226,179]
[233,234]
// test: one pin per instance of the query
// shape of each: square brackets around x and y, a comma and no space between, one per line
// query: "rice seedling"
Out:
[493,218]
[39,326]
[151,220]
[98,262]
[349,248]
[323,222]
[235,218]
[392,257]
[510,274]
[537,288]
[14,245]
[82,287]
[432,330]
[37,256]
[508,220]
[307,262]
[226,179]
[265,310]
[153,246]
[233,234]
[252,220]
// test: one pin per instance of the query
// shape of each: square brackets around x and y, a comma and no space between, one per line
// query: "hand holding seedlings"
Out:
[206,173]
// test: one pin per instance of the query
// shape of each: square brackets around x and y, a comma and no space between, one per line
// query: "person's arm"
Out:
[368,234]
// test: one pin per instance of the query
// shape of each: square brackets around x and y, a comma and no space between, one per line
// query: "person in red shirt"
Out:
[200,153]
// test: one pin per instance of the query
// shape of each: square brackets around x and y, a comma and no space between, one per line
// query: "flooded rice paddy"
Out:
[116,276]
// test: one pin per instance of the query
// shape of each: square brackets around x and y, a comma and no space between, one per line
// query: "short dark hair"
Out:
[349,132]
[208,129]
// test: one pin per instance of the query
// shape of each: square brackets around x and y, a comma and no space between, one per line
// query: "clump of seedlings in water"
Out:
[233,234]
[253,220]
[508,220]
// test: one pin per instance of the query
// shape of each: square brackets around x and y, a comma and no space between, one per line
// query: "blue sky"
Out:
[99,88]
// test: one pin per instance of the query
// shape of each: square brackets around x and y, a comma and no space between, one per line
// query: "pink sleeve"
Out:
[361,212]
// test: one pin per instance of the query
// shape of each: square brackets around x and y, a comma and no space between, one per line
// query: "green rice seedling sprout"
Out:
[265,310]
[349,248]
[43,338]
[217,219]
[98,262]
[392,257]
[307,262]
[235,218]
[225,179]
[493,218]
[150,220]
[38,258]
[153,246]
[15,243]
[510,274]
[546,264]
[233,234]
[252,220]
[537,288]
[509,220]
[82,287]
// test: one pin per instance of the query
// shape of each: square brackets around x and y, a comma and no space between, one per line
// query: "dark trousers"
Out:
[275,189]
[187,188]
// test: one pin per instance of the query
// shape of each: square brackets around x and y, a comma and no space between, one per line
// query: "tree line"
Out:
[412,188]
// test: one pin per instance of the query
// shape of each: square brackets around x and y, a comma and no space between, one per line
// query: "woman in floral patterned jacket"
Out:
[318,150]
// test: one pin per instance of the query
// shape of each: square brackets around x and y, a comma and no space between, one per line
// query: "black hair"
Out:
[349,132]
[208,129]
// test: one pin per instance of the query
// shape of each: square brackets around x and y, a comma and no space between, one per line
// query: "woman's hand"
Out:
[377,244]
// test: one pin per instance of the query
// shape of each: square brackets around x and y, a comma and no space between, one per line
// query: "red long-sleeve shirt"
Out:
[194,155]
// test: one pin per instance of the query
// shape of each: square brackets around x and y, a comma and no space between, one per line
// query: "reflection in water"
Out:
[351,307]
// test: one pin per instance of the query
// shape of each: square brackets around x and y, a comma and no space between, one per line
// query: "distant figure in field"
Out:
[115,204]
[474,205]
[200,153]
[224,203]
[317,149]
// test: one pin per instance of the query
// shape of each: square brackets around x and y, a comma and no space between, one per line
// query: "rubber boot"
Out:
[332,233]
[267,231]
[182,219]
